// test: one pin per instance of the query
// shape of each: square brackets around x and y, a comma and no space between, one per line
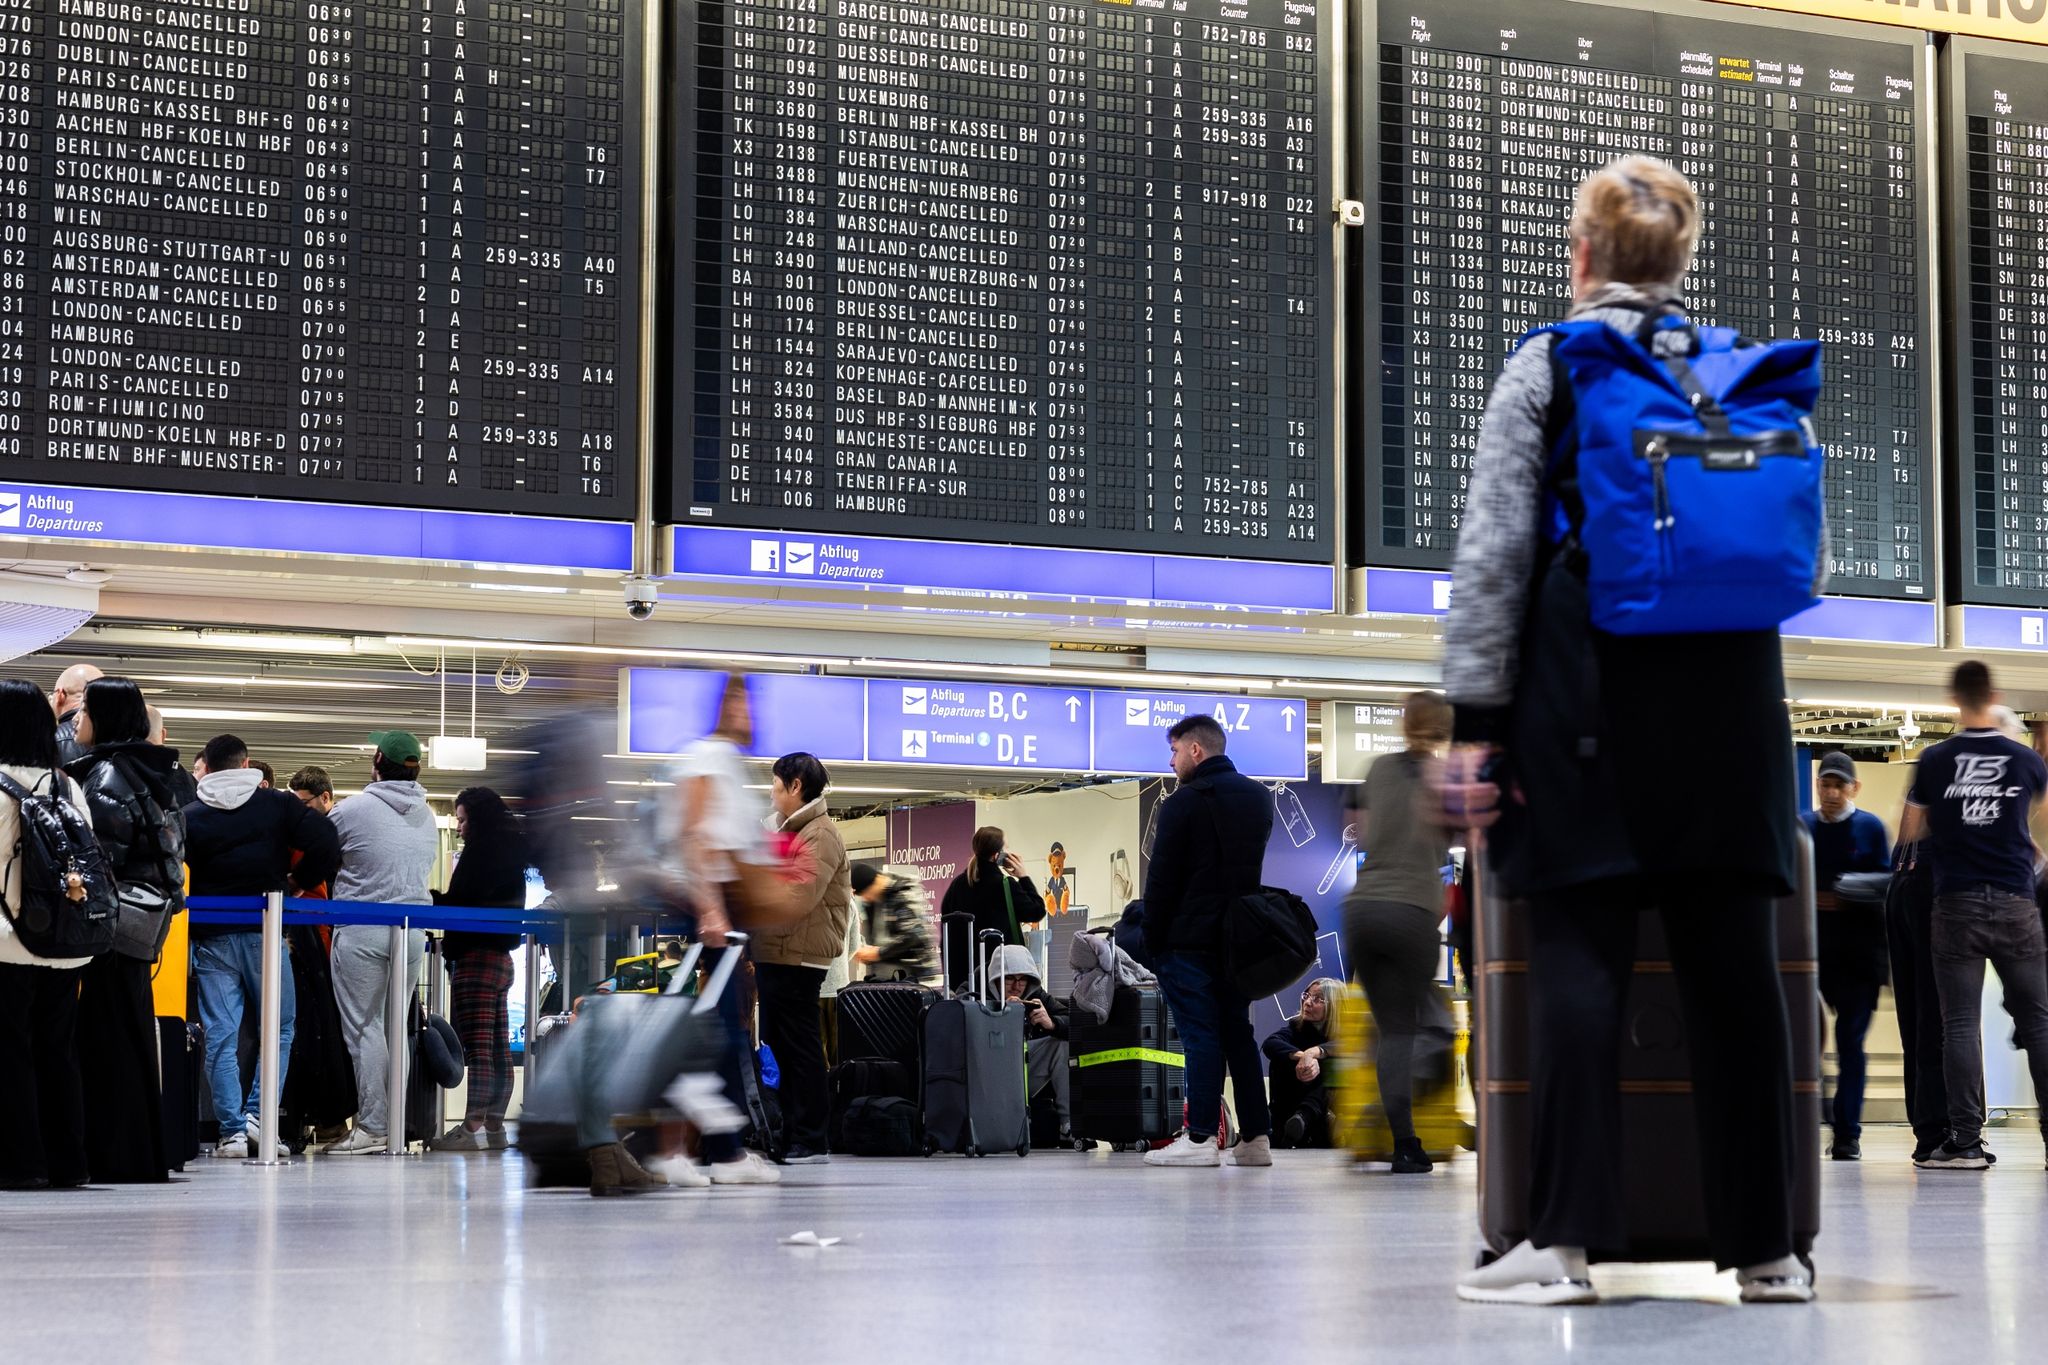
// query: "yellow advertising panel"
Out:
[2024,21]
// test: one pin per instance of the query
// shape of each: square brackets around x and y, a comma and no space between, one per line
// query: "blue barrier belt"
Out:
[247,912]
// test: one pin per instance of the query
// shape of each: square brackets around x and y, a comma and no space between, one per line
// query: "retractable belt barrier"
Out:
[271,913]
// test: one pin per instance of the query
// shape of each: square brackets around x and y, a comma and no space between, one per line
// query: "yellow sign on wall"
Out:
[2023,21]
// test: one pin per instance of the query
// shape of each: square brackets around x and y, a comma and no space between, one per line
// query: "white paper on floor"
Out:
[809,1239]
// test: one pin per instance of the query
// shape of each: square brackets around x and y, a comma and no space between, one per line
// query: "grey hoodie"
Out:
[388,844]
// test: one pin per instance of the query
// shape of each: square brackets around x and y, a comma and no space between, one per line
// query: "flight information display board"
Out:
[1008,271]
[374,251]
[1802,138]
[1999,196]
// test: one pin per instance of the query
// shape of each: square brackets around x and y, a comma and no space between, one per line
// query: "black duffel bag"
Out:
[1269,941]
[881,1125]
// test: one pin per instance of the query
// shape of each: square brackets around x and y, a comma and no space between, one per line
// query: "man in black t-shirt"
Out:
[1973,795]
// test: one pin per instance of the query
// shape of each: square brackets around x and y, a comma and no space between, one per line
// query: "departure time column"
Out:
[326,229]
[1070,215]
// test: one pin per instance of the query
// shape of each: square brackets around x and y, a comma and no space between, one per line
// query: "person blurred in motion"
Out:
[1973,797]
[1574,720]
[791,958]
[996,892]
[1393,917]
[898,932]
[388,846]
[719,838]
[131,791]
[67,698]
[1209,849]
[1299,1052]
[42,1109]
[240,841]
[1853,957]
[490,873]
[1045,1044]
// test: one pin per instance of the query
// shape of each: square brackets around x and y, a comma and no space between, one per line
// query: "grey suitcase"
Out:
[974,1090]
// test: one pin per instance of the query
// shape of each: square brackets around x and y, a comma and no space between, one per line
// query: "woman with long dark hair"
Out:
[491,873]
[131,789]
[42,1114]
[995,890]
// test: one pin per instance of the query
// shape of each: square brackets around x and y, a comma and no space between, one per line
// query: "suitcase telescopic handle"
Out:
[721,975]
[995,939]
[686,969]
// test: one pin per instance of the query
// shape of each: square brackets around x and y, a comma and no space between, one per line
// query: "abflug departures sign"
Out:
[1007,270]
[1999,177]
[368,251]
[1803,141]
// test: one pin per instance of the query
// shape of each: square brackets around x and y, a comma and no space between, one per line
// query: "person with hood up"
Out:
[132,791]
[388,845]
[1298,1053]
[1045,1043]
[239,841]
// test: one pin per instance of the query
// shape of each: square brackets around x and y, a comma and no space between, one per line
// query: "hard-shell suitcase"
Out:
[179,1059]
[1661,1189]
[974,1094]
[883,1019]
[1126,1075]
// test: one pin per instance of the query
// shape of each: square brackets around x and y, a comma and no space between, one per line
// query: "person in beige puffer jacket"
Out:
[791,958]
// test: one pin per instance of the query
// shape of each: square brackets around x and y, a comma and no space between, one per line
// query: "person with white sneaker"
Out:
[1210,847]
[388,845]
[1570,719]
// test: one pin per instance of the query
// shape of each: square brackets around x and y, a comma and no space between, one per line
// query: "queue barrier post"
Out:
[269,1038]
[532,1005]
[397,996]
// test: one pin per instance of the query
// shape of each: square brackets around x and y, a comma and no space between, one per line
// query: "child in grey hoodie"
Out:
[388,846]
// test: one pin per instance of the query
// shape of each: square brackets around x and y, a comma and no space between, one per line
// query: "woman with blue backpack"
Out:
[1644,511]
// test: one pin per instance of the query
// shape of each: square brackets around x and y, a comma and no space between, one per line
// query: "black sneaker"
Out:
[1410,1158]
[1949,1157]
[1846,1149]
[804,1156]
[1296,1130]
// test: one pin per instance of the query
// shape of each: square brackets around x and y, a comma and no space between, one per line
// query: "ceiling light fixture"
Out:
[400,643]
[1840,705]
[222,680]
[1058,673]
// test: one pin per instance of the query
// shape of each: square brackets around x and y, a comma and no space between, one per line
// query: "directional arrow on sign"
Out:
[1289,714]
[1073,708]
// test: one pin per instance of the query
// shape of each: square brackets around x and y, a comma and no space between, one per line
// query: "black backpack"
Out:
[68,896]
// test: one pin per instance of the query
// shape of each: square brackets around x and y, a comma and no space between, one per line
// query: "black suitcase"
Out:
[1667,1215]
[883,1019]
[973,1094]
[1126,1077]
[180,1058]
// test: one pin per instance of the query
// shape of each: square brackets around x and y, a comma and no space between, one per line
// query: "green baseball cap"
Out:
[400,746]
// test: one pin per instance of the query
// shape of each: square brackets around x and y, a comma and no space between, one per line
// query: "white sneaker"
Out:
[235,1148]
[1788,1279]
[359,1142]
[461,1138]
[251,1126]
[1183,1152]
[1551,1278]
[749,1168]
[1256,1151]
[680,1172]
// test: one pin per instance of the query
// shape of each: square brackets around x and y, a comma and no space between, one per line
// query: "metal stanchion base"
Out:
[275,1161]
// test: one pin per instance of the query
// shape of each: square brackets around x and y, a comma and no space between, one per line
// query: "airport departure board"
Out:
[1999,239]
[1007,271]
[375,251]
[1802,139]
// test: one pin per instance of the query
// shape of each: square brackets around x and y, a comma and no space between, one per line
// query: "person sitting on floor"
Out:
[1299,1053]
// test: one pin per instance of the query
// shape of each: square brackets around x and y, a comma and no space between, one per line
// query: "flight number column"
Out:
[21,95]
[1070,214]
[325,230]
[778,256]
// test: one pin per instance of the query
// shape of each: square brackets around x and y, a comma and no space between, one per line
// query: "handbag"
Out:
[142,921]
[1269,936]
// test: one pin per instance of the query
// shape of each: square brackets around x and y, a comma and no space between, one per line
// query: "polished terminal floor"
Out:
[1054,1259]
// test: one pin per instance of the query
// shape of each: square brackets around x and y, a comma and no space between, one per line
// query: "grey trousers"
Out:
[1045,1059]
[362,977]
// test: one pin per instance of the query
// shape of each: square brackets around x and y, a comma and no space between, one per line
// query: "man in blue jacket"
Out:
[1210,848]
[1853,961]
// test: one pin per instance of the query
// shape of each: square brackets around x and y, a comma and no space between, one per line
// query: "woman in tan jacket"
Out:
[791,958]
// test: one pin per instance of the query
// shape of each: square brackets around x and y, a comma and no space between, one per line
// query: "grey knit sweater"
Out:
[1496,557]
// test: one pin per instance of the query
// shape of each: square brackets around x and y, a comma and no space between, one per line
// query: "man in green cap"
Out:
[388,845]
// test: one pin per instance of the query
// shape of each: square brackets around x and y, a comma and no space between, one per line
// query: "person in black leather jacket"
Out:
[131,790]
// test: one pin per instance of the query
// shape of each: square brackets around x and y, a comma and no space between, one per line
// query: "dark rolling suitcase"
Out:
[883,1019]
[1661,1189]
[973,1095]
[1126,1083]
[179,1059]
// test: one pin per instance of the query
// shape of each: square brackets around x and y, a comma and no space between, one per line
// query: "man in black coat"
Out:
[1209,849]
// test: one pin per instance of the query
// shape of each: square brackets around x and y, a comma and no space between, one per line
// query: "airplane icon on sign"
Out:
[914,743]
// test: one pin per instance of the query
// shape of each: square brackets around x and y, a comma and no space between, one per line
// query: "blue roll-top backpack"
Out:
[1688,474]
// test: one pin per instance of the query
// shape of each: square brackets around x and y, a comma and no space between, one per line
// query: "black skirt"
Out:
[1652,757]
[117,1044]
